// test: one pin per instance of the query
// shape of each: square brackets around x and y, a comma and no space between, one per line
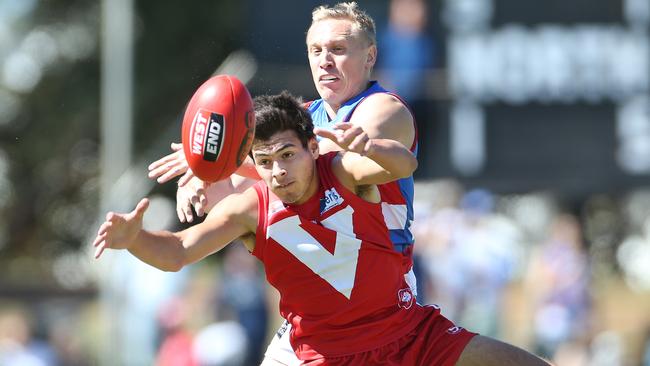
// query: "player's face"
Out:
[340,58]
[286,167]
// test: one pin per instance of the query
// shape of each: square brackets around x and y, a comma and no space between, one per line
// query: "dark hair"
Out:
[282,112]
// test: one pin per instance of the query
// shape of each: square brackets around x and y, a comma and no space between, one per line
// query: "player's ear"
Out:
[371,57]
[312,145]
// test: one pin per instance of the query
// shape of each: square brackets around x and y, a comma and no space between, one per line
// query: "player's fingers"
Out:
[164,160]
[174,171]
[326,134]
[358,143]
[184,206]
[99,239]
[180,213]
[367,147]
[110,215]
[346,138]
[161,169]
[177,146]
[343,126]
[202,203]
[100,249]
[189,215]
[186,178]
[200,209]
[203,198]
[198,206]
[140,208]
[104,228]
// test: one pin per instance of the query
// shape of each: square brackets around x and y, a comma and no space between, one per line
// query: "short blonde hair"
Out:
[351,11]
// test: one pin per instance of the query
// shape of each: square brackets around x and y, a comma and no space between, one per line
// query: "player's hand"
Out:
[170,166]
[192,194]
[203,196]
[349,137]
[120,230]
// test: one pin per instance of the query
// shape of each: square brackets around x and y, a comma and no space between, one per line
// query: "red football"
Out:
[218,128]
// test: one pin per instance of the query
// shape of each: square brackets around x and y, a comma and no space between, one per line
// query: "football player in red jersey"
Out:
[316,223]
[341,45]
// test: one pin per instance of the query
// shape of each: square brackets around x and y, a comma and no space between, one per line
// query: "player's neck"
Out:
[332,109]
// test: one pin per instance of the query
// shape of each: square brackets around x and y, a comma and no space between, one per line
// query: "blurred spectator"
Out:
[559,286]
[607,349]
[222,344]
[409,50]
[176,348]
[470,255]
[17,347]
[433,228]
[633,255]
[405,61]
[603,226]
[242,294]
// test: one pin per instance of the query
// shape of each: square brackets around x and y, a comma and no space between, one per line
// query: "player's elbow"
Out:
[174,266]
[174,262]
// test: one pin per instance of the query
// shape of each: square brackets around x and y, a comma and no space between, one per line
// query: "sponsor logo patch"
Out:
[454,330]
[208,130]
[283,328]
[332,199]
[405,298]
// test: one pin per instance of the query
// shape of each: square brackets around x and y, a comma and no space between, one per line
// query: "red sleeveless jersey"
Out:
[341,282]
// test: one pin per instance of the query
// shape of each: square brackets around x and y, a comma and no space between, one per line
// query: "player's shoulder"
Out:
[383,105]
[384,99]
[383,115]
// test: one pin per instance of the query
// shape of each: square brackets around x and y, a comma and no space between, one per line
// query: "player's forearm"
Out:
[393,157]
[163,250]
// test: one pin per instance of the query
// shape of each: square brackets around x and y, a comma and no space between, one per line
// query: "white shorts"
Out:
[280,353]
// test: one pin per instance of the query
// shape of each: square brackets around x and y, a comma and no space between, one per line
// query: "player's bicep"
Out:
[231,218]
[383,116]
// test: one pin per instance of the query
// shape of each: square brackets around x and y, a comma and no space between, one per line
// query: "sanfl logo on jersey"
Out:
[332,199]
[405,298]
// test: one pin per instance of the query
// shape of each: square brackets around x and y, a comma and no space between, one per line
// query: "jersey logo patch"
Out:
[334,262]
[405,298]
[332,199]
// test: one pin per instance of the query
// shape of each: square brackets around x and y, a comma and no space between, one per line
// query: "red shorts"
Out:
[436,341]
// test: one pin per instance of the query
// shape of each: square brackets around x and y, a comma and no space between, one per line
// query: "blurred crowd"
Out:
[561,281]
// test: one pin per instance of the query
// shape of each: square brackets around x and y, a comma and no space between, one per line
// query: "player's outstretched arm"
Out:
[233,217]
[369,161]
[174,164]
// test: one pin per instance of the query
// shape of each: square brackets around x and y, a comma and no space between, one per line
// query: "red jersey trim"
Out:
[262,209]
